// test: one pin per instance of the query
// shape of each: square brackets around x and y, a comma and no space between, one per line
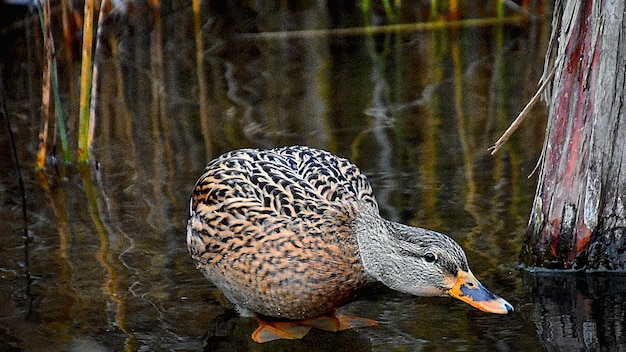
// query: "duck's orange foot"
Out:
[337,322]
[276,330]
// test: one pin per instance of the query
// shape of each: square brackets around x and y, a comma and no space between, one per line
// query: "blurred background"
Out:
[413,92]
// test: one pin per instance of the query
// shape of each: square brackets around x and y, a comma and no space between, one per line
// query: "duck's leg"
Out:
[336,322]
[296,329]
[276,330]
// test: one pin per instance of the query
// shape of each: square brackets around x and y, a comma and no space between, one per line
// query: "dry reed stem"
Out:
[205,118]
[522,115]
[86,73]
[403,27]
[46,85]
[105,7]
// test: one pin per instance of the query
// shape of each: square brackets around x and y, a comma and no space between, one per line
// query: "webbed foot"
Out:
[296,329]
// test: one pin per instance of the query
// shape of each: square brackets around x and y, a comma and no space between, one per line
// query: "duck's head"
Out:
[423,263]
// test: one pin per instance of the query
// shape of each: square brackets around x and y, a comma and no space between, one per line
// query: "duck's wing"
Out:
[295,174]
[335,179]
[253,193]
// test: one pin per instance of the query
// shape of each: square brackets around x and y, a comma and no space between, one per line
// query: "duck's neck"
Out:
[377,247]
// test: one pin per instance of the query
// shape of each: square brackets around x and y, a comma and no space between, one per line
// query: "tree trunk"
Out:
[578,218]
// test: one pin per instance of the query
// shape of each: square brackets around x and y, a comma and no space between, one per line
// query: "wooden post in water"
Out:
[578,218]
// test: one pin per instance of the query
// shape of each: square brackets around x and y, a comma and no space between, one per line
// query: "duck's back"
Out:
[272,229]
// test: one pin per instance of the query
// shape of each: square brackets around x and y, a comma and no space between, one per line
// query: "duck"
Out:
[291,234]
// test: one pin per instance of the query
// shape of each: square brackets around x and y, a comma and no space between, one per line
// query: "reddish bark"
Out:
[582,159]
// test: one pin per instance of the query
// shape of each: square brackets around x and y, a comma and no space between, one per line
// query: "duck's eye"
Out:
[430,257]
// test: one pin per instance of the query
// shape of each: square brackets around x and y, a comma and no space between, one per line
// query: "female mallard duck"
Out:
[291,234]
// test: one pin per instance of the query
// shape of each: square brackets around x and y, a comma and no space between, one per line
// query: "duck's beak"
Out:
[469,290]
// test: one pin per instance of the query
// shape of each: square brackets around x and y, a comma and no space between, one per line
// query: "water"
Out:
[415,109]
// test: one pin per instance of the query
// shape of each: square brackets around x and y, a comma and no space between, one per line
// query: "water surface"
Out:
[415,109]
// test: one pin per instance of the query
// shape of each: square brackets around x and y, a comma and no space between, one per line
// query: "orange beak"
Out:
[469,290]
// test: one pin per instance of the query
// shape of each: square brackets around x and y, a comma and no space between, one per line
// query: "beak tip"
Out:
[508,307]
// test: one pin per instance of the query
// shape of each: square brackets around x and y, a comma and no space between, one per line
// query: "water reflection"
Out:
[416,110]
[577,311]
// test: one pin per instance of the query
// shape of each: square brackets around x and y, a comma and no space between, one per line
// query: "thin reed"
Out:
[86,74]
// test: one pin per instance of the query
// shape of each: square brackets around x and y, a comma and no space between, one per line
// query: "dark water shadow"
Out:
[575,311]
[231,332]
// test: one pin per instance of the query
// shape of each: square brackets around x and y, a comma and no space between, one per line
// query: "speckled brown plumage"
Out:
[271,229]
